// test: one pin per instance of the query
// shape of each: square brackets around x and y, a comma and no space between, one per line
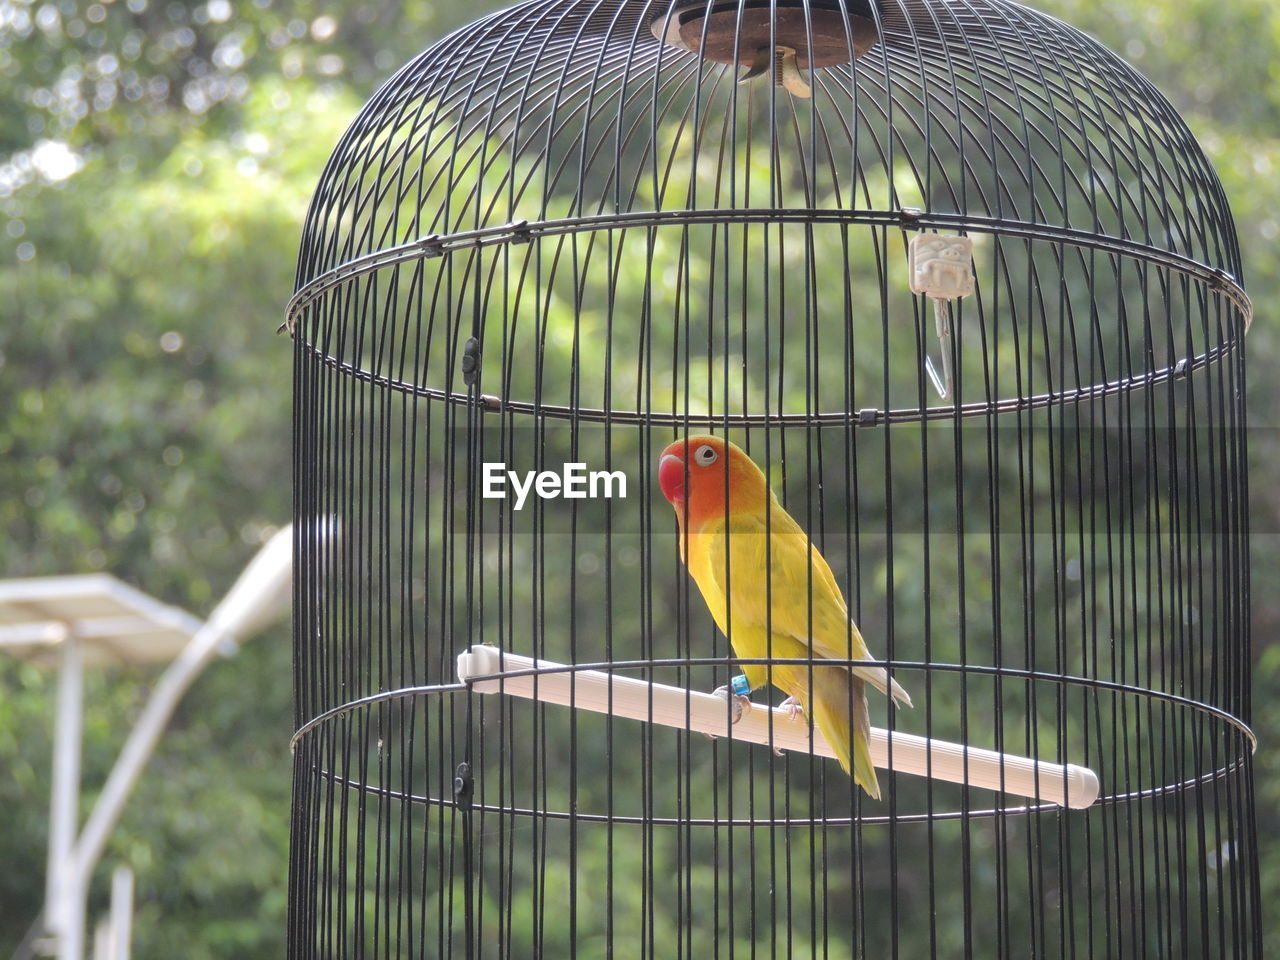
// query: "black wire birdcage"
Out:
[963,286]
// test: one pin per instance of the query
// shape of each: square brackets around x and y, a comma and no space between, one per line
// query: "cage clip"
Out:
[470,361]
[462,784]
[520,231]
[941,268]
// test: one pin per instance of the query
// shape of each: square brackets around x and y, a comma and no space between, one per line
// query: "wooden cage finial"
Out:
[785,36]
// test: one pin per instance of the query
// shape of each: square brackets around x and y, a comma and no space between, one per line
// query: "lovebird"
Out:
[787,590]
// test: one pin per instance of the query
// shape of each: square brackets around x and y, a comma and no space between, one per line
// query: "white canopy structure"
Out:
[113,623]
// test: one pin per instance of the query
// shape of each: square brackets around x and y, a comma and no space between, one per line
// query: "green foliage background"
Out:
[144,403]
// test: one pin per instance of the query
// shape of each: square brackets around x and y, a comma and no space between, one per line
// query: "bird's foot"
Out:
[793,707]
[739,703]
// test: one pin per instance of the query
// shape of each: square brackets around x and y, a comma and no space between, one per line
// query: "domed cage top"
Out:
[963,286]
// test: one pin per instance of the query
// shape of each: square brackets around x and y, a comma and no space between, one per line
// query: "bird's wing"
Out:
[799,598]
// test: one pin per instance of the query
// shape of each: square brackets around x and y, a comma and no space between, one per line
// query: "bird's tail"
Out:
[878,677]
[830,708]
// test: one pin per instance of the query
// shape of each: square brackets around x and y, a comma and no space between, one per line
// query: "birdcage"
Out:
[961,285]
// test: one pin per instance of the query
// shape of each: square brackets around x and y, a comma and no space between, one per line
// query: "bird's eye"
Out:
[705,455]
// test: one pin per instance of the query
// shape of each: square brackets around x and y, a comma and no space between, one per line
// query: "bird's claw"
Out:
[793,707]
[740,703]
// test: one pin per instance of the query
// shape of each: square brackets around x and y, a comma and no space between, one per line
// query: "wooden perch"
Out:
[487,669]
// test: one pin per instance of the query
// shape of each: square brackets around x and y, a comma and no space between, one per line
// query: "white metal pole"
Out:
[64,806]
[102,940]
[1064,784]
[121,913]
[141,743]
[260,593]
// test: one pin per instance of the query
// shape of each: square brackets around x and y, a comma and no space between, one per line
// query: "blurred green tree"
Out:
[155,164]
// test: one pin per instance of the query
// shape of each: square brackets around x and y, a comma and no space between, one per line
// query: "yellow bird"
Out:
[765,579]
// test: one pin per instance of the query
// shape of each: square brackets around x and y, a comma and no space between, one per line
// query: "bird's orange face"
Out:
[705,477]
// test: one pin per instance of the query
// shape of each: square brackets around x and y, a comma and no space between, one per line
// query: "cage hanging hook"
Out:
[781,59]
[941,268]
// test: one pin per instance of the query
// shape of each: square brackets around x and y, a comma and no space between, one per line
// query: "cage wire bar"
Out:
[579,230]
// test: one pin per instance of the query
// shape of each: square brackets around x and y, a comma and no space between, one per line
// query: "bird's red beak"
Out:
[671,477]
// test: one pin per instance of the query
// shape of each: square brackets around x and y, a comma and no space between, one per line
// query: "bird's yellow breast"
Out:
[746,566]
[699,547]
